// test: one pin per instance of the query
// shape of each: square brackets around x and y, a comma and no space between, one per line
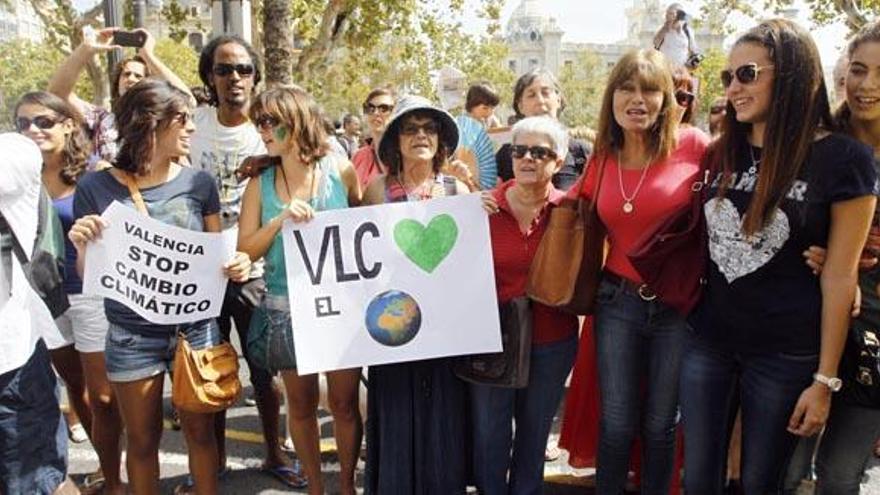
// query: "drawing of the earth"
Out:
[393,318]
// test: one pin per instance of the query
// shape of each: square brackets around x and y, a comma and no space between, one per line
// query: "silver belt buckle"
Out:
[646,293]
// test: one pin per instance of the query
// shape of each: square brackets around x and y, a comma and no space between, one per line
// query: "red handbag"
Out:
[671,257]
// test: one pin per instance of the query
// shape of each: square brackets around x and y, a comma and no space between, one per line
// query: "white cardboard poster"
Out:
[165,274]
[391,283]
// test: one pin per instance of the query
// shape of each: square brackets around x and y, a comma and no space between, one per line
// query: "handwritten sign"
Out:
[391,283]
[165,274]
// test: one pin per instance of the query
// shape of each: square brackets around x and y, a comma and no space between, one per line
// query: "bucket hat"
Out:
[410,103]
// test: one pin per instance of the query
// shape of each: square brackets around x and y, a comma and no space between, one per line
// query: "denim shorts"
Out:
[270,337]
[133,356]
[33,435]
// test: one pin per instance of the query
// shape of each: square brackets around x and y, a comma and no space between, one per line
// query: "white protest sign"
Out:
[391,283]
[165,274]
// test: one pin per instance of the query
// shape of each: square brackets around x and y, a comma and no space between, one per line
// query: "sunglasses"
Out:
[181,118]
[717,110]
[430,128]
[684,98]
[243,70]
[536,152]
[745,74]
[41,121]
[370,109]
[266,122]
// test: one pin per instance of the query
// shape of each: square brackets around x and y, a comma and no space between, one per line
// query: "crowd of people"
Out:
[776,348]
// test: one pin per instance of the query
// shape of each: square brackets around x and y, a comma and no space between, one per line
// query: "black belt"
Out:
[639,288]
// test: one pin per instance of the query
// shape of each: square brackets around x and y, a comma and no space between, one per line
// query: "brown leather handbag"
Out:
[205,380]
[566,270]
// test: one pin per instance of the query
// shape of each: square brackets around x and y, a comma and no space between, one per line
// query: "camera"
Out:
[694,61]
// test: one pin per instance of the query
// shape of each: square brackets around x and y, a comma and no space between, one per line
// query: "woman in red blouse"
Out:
[641,173]
[521,208]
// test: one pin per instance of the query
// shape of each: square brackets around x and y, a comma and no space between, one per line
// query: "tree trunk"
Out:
[334,23]
[277,42]
[855,17]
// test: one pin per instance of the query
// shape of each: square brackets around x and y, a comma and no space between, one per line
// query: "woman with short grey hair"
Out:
[520,209]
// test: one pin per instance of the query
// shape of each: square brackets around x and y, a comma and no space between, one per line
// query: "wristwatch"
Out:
[833,383]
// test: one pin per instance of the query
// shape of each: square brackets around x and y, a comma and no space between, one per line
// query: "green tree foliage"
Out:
[855,13]
[181,59]
[26,66]
[399,43]
[710,81]
[583,83]
[175,15]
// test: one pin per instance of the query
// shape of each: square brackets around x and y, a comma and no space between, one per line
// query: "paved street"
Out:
[245,453]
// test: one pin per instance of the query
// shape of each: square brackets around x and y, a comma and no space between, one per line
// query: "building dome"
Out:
[528,22]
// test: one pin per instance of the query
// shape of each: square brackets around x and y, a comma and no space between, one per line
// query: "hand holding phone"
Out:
[129,38]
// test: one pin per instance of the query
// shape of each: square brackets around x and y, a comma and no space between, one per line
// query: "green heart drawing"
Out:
[426,246]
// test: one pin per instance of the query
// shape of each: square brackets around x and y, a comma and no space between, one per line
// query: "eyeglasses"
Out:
[410,129]
[745,74]
[536,152]
[243,70]
[370,109]
[266,122]
[717,109]
[41,121]
[684,98]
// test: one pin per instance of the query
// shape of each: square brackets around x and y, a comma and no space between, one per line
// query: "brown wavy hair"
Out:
[77,147]
[799,109]
[651,71]
[869,33]
[682,79]
[117,73]
[143,110]
[296,110]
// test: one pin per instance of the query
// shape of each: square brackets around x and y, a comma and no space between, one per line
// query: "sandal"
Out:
[92,483]
[291,476]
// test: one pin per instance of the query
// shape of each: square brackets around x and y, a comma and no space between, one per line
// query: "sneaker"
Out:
[77,433]
[250,401]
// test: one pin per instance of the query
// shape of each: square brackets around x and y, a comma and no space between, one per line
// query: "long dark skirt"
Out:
[415,430]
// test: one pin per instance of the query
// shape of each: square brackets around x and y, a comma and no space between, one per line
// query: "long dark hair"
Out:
[869,33]
[144,109]
[799,109]
[76,145]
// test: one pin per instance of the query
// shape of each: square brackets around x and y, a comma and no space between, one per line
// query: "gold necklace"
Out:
[628,201]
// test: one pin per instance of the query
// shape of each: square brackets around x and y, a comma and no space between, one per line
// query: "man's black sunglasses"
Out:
[243,70]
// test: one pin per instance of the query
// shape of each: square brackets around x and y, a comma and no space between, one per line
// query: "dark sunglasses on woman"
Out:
[41,121]
[266,122]
[370,109]
[683,98]
[243,70]
[745,74]
[536,152]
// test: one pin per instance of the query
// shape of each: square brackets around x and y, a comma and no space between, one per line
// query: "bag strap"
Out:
[135,192]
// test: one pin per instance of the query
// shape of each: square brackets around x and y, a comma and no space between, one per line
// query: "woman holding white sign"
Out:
[415,424]
[303,178]
[154,121]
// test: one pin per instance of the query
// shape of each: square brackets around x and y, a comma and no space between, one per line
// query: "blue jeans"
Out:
[33,435]
[845,448]
[638,348]
[494,409]
[769,384]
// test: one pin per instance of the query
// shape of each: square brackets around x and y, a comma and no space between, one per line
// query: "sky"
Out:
[603,21]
